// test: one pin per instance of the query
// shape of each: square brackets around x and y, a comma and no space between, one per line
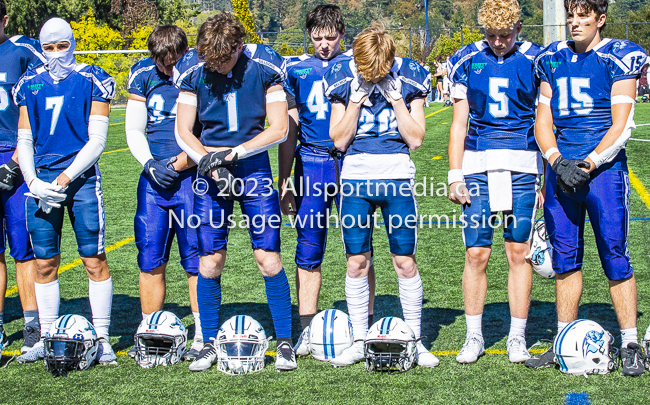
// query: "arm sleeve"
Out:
[92,150]
[25,150]
[135,125]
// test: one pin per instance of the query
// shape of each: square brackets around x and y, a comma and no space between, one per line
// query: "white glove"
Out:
[391,85]
[48,193]
[360,88]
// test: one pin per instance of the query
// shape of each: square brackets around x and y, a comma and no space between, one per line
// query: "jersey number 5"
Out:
[4,96]
[500,108]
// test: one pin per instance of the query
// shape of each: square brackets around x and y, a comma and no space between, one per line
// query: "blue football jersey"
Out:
[232,108]
[377,131]
[501,93]
[582,87]
[305,82]
[19,54]
[145,80]
[59,111]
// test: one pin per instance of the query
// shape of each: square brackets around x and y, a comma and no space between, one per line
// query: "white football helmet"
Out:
[584,347]
[241,345]
[70,344]
[541,251]
[330,332]
[160,340]
[390,344]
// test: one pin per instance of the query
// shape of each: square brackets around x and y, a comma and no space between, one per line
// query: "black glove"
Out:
[8,173]
[162,171]
[570,175]
[213,160]
[229,189]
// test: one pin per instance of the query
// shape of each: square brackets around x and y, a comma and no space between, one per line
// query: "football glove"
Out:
[228,187]
[391,85]
[213,160]
[48,194]
[360,88]
[570,175]
[8,173]
[162,171]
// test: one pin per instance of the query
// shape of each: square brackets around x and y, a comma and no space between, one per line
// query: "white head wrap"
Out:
[62,63]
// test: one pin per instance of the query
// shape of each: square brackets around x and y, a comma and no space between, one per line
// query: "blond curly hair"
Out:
[499,14]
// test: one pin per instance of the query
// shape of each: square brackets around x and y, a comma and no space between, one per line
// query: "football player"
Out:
[61,134]
[165,185]
[587,92]
[317,164]
[495,88]
[377,115]
[235,87]
[20,53]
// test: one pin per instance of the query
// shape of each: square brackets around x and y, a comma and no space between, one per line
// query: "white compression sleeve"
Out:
[610,153]
[194,155]
[25,149]
[92,150]
[135,125]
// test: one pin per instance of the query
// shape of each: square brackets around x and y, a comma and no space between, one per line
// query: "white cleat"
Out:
[105,353]
[517,351]
[285,358]
[351,355]
[37,352]
[302,347]
[425,358]
[206,358]
[473,348]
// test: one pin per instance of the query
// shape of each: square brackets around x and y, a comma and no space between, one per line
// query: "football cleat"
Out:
[546,359]
[37,352]
[302,346]
[646,347]
[4,340]
[584,347]
[517,351]
[285,358]
[351,355]
[30,337]
[195,349]
[425,358]
[632,360]
[473,348]
[131,353]
[206,358]
[105,353]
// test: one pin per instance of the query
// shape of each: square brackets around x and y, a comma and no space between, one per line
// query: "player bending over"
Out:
[377,116]
[495,88]
[61,134]
[234,87]
[587,91]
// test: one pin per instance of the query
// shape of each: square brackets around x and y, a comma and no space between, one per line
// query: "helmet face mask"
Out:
[390,346]
[241,346]
[160,340]
[70,344]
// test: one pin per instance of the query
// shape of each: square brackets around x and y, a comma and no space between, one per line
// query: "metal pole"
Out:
[249,37]
[304,40]
[554,21]
[627,32]
[426,18]
[461,36]
[410,47]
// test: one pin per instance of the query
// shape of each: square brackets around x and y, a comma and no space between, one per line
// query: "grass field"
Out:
[440,259]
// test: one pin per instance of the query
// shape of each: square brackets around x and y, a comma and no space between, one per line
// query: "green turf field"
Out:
[440,260]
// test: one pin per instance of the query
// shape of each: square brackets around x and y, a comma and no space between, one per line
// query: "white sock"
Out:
[647,334]
[410,295]
[561,325]
[48,297]
[198,333]
[628,336]
[517,327]
[474,324]
[100,294]
[357,295]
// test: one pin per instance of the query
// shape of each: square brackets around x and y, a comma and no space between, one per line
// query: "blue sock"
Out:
[278,296]
[208,292]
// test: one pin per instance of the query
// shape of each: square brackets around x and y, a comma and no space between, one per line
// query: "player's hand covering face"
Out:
[502,41]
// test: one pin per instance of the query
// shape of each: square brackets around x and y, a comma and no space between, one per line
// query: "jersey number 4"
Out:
[316,101]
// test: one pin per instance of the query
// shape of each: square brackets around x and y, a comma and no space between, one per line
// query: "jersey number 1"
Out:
[4,96]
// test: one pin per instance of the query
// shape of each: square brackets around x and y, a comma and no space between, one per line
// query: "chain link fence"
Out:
[416,43]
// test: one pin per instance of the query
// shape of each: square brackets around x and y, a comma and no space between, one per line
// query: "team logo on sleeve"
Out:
[618,45]
[478,67]
[336,67]
[413,66]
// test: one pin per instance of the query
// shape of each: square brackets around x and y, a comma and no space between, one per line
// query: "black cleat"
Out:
[633,360]
[31,336]
[546,359]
